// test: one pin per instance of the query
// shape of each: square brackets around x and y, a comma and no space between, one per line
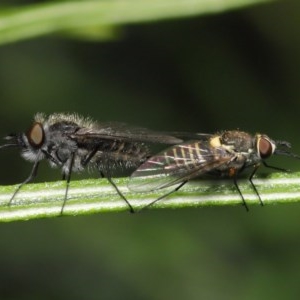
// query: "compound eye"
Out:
[36,135]
[265,147]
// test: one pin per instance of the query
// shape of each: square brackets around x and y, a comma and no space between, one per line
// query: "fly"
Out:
[73,143]
[225,154]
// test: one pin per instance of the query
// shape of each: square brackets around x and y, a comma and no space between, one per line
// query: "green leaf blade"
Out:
[40,19]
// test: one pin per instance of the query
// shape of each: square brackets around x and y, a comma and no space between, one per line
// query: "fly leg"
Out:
[256,166]
[103,175]
[88,158]
[275,168]
[118,191]
[31,176]
[67,177]
[253,173]
[253,186]
[238,189]
[164,196]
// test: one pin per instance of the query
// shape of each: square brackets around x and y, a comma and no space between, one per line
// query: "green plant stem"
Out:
[97,195]
[28,21]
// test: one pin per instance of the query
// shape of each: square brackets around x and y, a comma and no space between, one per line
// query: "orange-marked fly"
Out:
[225,154]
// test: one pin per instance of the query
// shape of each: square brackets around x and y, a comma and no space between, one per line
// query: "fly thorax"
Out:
[60,146]
[237,141]
[63,154]
[217,143]
[60,155]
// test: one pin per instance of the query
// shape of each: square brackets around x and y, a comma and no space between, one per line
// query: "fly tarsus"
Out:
[67,177]
[163,196]
[275,168]
[31,176]
[131,209]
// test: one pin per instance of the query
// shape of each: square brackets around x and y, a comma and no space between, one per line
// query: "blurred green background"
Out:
[238,69]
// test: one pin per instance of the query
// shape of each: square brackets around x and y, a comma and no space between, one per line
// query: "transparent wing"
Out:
[192,136]
[178,164]
[121,131]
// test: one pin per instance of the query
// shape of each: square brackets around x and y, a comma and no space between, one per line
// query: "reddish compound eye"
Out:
[265,147]
[36,135]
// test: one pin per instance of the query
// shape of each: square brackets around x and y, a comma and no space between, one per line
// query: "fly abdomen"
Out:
[127,150]
[118,154]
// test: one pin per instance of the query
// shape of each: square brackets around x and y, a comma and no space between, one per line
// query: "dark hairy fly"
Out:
[73,143]
[224,154]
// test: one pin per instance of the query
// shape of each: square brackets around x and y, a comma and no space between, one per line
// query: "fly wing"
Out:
[123,132]
[178,164]
[192,136]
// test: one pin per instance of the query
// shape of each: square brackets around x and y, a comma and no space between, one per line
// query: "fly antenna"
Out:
[8,145]
[286,146]
[11,144]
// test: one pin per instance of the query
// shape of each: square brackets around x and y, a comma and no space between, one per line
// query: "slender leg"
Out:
[275,168]
[51,158]
[67,176]
[90,156]
[253,186]
[118,191]
[238,189]
[31,176]
[164,196]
